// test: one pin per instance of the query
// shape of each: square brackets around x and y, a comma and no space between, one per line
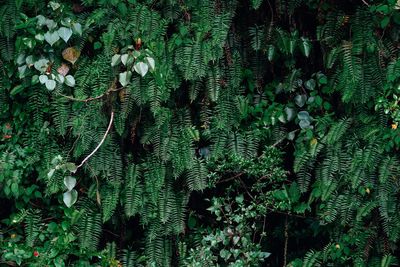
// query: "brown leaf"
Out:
[63,69]
[71,54]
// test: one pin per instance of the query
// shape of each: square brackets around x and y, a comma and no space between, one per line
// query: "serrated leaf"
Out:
[50,84]
[141,68]
[43,79]
[69,182]
[65,33]
[115,60]
[70,197]
[51,37]
[125,77]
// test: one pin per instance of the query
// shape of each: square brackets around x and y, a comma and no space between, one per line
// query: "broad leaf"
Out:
[51,37]
[70,80]
[125,77]
[77,28]
[65,33]
[115,60]
[141,68]
[300,100]
[71,54]
[151,63]
[69,182]
[41,65]
[50,84]
[43,79]
[70,197]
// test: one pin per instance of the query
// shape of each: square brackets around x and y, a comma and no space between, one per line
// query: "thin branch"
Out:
[92,98]
[230,178]
[99,145]
[365,2]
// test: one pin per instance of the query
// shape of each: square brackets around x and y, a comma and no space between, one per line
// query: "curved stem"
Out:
[99,145]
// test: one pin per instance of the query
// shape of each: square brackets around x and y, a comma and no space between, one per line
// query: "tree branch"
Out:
[99,145]
[92,98]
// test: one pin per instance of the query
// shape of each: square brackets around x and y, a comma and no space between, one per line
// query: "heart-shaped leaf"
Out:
[71,54]
[290,113]
[70,166]
[291,135]
[51,37]
[21,71]
[77,28]
[70,197]
[124,58]
[151,63]
[41,20]
[63,69]
[29,60]
[50,85]
[115,60]
[70,80]
[51,24]
[300,100]
[43,79]
[141,68]
[304,124]
[54,5]
[41,65]
[303,115]
[310,84]
[60,78]
[125,77]
[70,182]
[65,33]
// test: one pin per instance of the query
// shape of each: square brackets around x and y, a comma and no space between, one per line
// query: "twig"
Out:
[245,188]
[230,178]
[99,145]
[91,98]
[365,2]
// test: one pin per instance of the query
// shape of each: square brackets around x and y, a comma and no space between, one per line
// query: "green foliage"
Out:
[119,119]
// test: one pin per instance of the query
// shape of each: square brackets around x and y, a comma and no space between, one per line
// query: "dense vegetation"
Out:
[199,133]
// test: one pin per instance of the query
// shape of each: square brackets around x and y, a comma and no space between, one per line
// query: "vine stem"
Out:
[99,145]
